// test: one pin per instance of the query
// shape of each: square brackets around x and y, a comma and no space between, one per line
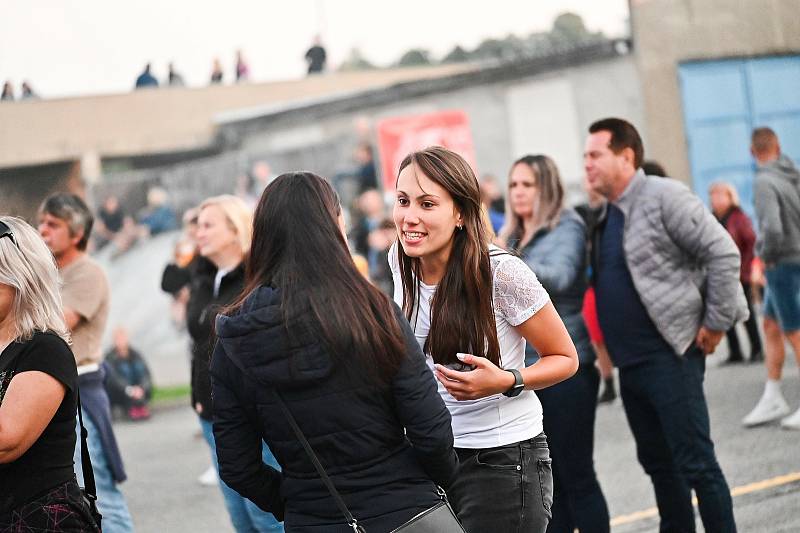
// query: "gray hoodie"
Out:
[777,202]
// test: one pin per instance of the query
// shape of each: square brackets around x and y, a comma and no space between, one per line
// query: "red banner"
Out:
[398,136]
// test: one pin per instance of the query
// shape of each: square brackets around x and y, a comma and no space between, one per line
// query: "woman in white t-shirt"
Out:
[472,307]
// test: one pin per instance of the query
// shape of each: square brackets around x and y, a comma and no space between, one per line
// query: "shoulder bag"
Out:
[89,490]
[438,519]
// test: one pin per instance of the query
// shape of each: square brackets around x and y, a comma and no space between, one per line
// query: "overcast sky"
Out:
[67,48]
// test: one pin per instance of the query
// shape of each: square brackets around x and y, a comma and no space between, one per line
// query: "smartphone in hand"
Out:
[462,367]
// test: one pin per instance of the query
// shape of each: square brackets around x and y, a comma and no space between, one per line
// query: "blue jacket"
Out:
[382,446]
[94,401]
[146,79]
[558,258]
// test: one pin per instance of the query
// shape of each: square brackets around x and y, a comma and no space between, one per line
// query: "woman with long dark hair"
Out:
[311,330]
[472,307]
[38,392]
[551,239]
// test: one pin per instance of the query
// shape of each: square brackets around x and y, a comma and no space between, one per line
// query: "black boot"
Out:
[734,359]
[609,394]
[734,348]
[756,356]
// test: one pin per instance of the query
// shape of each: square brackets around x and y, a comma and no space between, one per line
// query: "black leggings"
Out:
[569,413]
[751,327]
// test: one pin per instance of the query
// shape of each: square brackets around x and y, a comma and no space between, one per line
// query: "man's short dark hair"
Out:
[73,210]
[654,168]
[623,135]
[764,140]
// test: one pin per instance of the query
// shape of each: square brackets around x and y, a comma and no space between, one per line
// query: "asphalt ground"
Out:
[165,454]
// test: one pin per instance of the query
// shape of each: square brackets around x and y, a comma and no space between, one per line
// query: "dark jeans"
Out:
[504,489]
[667,413]
[569,413]
[752,331]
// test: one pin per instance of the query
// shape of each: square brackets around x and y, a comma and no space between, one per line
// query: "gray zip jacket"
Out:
[777,201]
[683,263]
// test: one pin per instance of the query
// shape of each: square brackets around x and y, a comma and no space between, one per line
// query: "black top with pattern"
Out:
[48,462]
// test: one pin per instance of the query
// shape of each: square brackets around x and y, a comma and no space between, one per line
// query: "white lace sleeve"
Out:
[394,265]
[518,295]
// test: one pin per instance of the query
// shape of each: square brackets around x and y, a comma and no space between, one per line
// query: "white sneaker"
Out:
[209,478]
[768,409]
[791,421]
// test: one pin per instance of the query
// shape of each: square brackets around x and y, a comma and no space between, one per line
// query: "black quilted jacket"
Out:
[383,447]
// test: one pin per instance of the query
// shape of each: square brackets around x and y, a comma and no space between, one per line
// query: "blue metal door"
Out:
[722,102]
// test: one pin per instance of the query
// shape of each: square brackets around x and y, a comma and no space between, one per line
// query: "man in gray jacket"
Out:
[666,277]
[777,199]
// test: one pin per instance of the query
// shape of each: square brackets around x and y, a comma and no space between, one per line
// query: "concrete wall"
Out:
[553,112]
[547,113]
[542,105]
[22,189]
[169,119]
[667,32]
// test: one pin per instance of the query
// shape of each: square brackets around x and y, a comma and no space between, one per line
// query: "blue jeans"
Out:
[668,415]
[110,501]
[245,515]
[507,488]
[569,412]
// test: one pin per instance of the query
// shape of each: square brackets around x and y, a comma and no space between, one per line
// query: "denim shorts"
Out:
[782,296]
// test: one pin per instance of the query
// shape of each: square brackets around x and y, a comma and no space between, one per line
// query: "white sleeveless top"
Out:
[495,420]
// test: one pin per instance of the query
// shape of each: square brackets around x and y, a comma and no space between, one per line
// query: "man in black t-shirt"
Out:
[110,221]
[316,57]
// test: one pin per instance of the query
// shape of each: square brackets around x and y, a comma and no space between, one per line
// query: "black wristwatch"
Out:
[518,385]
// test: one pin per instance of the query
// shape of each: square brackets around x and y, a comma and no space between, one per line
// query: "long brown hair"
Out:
[548,203]
[462,310]
[298,248]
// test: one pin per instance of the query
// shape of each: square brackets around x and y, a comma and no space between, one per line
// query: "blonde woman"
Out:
[38,391]
[726,209]
[224,231]
[551,239]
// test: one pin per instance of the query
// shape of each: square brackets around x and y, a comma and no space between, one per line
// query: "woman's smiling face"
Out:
[425,215]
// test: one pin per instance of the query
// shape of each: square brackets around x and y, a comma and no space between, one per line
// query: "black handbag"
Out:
[89,490]
[438,519]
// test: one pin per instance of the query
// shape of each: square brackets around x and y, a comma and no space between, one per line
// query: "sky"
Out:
[85,47]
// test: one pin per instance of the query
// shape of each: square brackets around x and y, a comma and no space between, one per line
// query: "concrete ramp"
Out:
[138,303]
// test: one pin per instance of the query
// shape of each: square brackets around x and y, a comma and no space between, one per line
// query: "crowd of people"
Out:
[459,373]
[174,79]
[26,92]
[315,58]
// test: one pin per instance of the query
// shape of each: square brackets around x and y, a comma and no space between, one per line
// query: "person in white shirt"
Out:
[472,307]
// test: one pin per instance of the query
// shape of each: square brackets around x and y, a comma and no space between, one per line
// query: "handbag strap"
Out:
[86,460]
[351,521]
